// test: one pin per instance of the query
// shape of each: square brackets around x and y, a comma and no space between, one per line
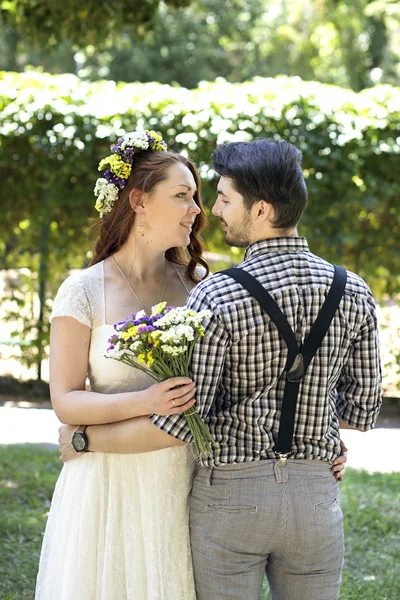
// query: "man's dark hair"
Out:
[266,169]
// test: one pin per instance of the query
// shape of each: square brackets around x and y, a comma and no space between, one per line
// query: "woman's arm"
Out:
[69,359]
[132,436]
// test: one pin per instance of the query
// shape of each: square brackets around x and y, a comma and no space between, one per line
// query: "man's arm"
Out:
[360,384]
[206,366]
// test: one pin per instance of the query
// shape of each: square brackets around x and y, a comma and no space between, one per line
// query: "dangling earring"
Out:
[140,227]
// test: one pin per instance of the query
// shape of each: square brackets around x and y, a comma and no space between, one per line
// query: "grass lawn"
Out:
[370,503]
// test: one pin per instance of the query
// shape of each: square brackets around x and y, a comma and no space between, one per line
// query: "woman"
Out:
[118,526]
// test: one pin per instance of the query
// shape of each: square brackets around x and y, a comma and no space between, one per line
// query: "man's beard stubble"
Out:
[238,236]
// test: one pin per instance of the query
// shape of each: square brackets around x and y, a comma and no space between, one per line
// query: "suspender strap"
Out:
[268,304]
[298,358]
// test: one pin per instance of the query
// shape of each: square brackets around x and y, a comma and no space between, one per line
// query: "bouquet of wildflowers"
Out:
[161,345]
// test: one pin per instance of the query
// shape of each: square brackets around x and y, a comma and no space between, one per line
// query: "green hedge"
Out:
[55,128]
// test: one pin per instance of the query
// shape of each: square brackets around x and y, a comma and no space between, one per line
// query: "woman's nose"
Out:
[194,208]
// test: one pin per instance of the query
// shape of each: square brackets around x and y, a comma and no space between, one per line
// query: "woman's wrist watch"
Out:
[80,441]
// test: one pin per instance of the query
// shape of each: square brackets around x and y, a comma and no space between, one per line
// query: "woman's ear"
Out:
[136,198]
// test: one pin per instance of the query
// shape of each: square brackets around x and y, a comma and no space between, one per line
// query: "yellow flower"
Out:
[158,308]
[117,165]
[99,205]
[201,331]
[150,359]
[157,146]
[154,335]
[129,333]
[156,343]
[142,358]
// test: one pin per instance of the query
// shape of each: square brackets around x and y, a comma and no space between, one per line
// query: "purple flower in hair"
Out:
[118,181]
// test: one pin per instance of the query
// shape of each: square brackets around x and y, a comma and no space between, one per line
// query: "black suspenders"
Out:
[299,357]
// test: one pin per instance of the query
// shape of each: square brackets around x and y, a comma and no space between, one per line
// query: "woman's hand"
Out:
[170,397]
[339,465]
[65,448]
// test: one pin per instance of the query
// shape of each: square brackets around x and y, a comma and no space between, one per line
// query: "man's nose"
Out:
[215,210]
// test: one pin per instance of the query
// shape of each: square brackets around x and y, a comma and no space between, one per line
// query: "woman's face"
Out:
[170,209]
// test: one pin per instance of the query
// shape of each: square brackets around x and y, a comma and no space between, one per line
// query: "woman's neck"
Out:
[141,261]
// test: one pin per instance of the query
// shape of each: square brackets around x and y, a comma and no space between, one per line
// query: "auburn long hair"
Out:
[150,169]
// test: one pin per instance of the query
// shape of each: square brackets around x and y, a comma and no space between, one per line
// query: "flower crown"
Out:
[119,166]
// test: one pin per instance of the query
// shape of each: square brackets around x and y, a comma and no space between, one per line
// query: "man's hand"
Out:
[339,465]
[65,447]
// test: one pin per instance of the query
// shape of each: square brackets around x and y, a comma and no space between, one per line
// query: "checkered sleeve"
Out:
[360,385]
[206,365]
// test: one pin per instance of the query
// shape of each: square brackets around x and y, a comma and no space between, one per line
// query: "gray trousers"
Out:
[256,517]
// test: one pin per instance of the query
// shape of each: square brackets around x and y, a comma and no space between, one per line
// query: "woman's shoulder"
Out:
[84,278]
[74,296]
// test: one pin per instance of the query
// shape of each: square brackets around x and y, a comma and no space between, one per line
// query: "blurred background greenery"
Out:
[76,74]
[323,74]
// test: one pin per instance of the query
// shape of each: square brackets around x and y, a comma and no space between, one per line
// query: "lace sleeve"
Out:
[72,301]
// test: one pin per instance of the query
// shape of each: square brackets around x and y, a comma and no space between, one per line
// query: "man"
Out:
[253,509]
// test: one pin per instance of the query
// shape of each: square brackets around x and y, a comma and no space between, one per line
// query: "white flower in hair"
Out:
[106,194]
[136,139]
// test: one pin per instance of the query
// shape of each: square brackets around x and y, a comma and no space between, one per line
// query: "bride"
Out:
[118,524]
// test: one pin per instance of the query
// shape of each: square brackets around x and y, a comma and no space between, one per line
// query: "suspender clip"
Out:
[296,372]
[282,456]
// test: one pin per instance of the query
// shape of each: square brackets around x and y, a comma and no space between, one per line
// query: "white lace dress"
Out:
[118,524]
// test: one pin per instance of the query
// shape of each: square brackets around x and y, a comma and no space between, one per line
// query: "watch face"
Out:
[78,442]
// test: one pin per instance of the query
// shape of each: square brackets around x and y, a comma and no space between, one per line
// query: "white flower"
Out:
[185,331]
[136,139]
[106,194]
[135,346]
[140,314]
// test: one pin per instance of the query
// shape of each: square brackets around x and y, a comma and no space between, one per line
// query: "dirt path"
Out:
[375,451]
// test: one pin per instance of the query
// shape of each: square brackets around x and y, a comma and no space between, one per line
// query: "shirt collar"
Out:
[278,244]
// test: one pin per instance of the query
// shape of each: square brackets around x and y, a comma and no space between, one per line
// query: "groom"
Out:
[256,506]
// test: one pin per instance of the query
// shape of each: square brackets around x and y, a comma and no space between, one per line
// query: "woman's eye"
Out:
[182,195]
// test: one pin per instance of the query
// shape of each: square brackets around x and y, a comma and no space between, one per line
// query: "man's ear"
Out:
[263,211]
[136,200]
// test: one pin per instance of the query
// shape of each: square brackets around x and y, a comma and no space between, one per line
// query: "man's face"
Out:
[231,211]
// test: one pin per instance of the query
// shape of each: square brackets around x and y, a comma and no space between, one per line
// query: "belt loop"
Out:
[210,476]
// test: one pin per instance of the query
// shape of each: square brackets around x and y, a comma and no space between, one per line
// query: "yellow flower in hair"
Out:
[117,165]
[157,146]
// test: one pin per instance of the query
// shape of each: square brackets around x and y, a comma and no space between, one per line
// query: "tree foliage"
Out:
[55,129]
[91,22]
[351,44]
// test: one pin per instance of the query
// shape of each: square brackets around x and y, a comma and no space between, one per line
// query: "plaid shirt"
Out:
[237,365]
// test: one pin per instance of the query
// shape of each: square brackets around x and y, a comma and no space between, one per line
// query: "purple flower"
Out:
[145,329]
[118,181]
[128,155]
[150,345]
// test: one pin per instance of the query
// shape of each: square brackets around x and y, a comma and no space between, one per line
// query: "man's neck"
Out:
[273,234]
